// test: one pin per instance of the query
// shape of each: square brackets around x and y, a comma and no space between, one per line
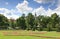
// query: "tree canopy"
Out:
[32,22]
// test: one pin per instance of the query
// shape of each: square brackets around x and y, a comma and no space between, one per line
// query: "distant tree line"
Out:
[31,22]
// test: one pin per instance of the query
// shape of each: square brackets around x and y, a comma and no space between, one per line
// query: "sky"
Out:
[15,8]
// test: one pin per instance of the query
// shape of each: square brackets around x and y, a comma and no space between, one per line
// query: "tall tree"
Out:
[3,22]
[54,19]
[21,22]
[30,21]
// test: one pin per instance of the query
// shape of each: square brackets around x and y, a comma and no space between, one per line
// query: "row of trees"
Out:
[31,22]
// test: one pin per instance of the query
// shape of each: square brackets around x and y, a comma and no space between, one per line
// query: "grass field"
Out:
[20,34]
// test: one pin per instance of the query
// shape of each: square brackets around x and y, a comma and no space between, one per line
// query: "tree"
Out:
[30,21]
[35,22]
[40,24]
[3,22]
[43,21]
[54,19]
[21,22]
[58,27]
[49,26]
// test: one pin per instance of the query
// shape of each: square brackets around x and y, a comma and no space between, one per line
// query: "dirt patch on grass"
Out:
[37,32]
[36,36]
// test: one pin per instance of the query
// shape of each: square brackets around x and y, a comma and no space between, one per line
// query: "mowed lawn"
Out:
[21,34]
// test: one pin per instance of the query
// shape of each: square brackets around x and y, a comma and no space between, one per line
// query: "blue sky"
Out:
[15,8]
[12,4]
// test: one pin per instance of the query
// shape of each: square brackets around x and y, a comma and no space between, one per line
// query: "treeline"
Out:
[31,22]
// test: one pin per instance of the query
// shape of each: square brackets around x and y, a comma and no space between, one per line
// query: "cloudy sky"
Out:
[15,8]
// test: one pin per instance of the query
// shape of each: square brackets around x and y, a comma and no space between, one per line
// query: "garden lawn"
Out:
[21,34]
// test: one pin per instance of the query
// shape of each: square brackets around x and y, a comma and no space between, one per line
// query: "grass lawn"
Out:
[20,34]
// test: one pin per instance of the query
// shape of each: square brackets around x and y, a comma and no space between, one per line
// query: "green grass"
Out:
[28,34]
[21,37]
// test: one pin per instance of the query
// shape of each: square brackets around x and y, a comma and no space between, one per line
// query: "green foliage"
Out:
[3,22]
[32,22]
[58,27]
[21,22]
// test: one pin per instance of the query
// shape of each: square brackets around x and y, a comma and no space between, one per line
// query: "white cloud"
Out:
[52,2]
[24,8]
[39,11]
[44,1]
[8,13]
[42,11]
[57,10]
[4,11]
[39,1]
[49,12]
[21,8]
